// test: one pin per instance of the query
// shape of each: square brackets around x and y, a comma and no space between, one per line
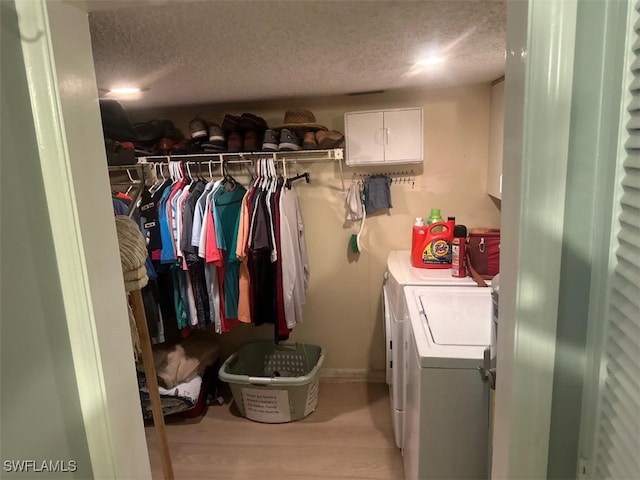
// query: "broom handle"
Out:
[137,306]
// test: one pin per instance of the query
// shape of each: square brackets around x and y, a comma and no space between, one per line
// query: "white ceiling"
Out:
[194,52]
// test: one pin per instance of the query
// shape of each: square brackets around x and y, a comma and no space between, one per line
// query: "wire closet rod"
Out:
[228,158]
[241,157]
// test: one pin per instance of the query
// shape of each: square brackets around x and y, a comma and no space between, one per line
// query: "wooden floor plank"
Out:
[349,436]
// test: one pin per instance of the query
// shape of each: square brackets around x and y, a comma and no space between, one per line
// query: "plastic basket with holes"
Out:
[274,383]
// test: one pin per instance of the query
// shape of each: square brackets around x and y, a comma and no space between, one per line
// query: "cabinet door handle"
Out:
[386,136]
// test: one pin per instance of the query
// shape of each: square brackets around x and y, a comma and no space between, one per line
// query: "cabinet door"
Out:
[364,136]
[496,139]
[403,135]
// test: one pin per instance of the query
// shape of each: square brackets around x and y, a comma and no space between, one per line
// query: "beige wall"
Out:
[343,310]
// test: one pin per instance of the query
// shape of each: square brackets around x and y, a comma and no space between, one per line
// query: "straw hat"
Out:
[300,119]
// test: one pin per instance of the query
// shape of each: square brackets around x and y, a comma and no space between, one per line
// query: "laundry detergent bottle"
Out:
[435,217]
[431,245]
[417,236]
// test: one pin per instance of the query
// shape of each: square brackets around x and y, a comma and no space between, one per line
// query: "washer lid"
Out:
[457,317]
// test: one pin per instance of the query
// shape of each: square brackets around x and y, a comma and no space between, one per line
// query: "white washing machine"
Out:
[399,274]
[446,412]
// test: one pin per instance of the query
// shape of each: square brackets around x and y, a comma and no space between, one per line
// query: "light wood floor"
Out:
[348,436]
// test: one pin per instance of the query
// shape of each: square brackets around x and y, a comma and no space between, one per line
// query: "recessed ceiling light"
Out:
[125,90]
[430,61]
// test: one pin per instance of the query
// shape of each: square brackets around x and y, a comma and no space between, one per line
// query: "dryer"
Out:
[446,414]
[399,274]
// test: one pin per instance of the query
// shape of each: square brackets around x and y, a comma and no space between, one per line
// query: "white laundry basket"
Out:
[274,383]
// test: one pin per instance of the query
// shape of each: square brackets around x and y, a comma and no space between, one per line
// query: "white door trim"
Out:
[64,105]
[538,88]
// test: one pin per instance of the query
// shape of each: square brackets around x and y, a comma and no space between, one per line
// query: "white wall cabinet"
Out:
[384,136]
[496,140]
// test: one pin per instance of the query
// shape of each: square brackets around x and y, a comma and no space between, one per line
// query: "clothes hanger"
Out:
[160,179]
[133,182]
[304,175]
[270,168]
[260,165]
[276,179]
[227,179]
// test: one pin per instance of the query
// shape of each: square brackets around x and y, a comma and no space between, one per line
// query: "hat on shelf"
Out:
[299,119]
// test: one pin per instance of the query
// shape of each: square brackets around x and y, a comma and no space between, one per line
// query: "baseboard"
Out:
[340,375]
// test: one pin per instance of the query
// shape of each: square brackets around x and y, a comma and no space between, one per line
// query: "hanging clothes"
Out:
[295,263]
[271,245]
[227,204]
[224,255]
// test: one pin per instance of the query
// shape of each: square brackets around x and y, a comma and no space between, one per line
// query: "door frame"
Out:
[58,64]
[538,93]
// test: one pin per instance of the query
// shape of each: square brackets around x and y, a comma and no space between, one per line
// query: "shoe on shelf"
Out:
[249,121]
[270,142]
[216,135]
[198,128]
[309,141]
[289,141]
[217,141]
[230,124]
[251,141]
[328,139]
[235,142]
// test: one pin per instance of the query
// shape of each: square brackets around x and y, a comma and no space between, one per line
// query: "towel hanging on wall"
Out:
[377,192]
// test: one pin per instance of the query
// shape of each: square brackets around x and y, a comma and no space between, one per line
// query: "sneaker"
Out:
[270,142]
[329,139]
[309,141]
[289,141]
[198,128]
[216,136]
[235,142]
[217,141]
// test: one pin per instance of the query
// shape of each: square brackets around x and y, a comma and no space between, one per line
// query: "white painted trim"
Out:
[345,375]
[56,171]
[538,87]
[64,104]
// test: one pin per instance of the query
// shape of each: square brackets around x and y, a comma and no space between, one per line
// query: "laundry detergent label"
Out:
[437,251]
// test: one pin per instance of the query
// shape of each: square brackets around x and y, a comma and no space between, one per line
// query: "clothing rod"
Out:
[116,168]
[229,157]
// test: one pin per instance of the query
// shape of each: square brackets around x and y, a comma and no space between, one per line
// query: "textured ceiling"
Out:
[187,52]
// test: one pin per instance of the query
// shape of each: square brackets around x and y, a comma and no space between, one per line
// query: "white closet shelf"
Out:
[334,154]
[299,155]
